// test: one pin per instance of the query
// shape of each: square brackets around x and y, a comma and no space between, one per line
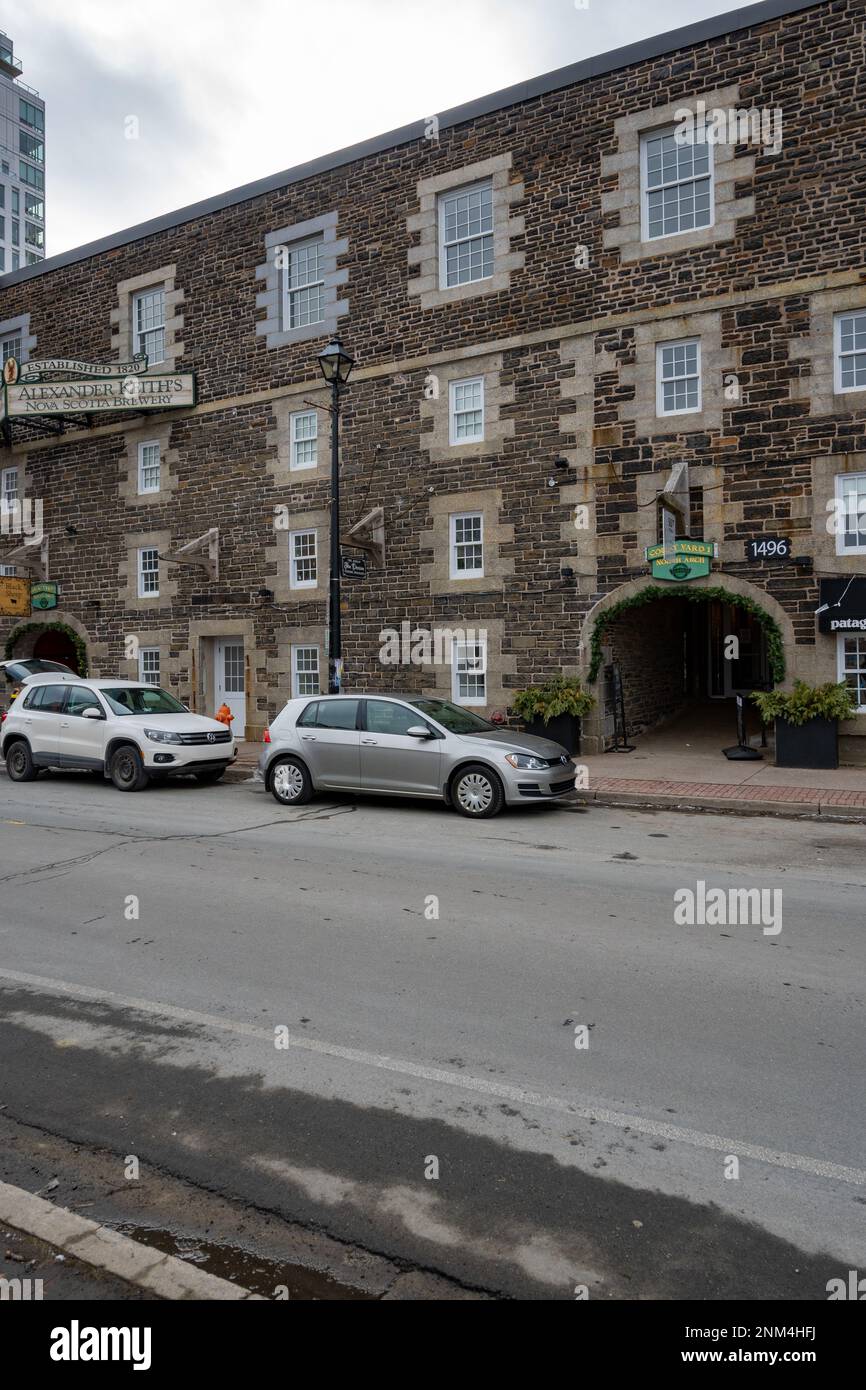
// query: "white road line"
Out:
[656,1129]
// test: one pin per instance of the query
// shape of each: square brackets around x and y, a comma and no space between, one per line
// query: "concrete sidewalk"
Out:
[682,765]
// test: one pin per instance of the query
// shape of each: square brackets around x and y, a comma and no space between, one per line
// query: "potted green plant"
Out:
[807,722]
[554,710]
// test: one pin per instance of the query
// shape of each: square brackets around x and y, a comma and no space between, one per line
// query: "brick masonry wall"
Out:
[808,233]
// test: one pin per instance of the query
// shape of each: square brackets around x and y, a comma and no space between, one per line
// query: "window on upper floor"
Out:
[850,351]
[467,545]
[678,377]
[304,426]
[33,235]
[16,199]
[850,514]
[34,206]
[8,489]
[31,145]
[148,324]
[466,235]
[676,183]
[148,467]
[466,410]
[303,283]
[28,174]
[31,115]
[16,232]
[303,560]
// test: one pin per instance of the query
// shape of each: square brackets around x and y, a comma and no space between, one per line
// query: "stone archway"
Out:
[731,587]
[31,638]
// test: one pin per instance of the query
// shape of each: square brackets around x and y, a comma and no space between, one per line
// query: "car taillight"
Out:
[2,716]
[266,736]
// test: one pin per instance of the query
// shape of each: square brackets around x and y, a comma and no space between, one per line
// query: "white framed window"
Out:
[148,665]
[466,235]
[304,430]
[678,377]
[148,320]
[466,410]
[303,283]
[467,545]
[676,183]
[469,673]
[850,351]
[148,572]
[851,653]
[8,489]
[303,557]
[850,514]
[7,571]
[11,347]
[148,466]
[305,672]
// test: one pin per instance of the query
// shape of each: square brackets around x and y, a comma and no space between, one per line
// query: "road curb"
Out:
[791,810]
[100,1247]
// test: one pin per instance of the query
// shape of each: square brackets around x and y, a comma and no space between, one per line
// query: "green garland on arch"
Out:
[653,592]
[25,628]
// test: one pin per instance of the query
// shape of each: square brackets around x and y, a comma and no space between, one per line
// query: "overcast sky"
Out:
[224,93]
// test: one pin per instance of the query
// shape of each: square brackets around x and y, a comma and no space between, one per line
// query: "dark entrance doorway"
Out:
[53,645]
[677,655]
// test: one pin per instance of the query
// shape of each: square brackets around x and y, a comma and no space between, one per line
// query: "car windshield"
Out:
[132,699]
[453,717]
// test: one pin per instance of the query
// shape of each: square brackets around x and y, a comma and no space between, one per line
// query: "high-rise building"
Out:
[22,166]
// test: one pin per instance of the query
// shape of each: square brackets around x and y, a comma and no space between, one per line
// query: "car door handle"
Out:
[310,738]
[370,740]
[64,724]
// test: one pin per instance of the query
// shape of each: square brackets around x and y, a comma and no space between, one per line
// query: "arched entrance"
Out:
[54,645]
[681,653]
[60,638]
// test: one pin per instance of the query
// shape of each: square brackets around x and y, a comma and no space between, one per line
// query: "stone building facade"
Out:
[572,329]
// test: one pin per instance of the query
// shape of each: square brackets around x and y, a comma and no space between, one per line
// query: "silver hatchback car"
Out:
[413,745]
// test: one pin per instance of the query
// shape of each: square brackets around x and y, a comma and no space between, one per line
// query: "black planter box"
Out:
[813,744]
[564,729]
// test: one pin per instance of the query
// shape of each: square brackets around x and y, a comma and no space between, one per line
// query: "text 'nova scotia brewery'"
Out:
[608,407]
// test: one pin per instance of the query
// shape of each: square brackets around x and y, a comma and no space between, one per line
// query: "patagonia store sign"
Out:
[843,605]
[681,560]
[64,386]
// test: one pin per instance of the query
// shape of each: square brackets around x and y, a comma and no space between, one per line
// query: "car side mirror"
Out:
[418,731]
[92,713]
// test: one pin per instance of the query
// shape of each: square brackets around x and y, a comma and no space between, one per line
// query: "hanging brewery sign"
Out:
[353,566]
[55,368]
[169,392]
[681,560]
[43,593]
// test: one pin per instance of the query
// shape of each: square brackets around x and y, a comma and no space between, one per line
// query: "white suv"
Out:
[131,732]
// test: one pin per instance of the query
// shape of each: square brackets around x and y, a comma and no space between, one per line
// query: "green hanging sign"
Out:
[43,593]
[681,560]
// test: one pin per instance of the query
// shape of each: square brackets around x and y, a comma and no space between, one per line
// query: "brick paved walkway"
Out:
[729,791]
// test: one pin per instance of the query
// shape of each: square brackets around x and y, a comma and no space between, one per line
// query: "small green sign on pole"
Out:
[681,560]
[43,593]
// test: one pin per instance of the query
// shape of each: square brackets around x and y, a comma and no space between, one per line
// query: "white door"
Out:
[229,681]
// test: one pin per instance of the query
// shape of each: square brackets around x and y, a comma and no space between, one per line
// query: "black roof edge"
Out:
[655,47]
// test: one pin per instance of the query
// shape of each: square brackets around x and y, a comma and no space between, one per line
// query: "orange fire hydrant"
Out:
[224,715]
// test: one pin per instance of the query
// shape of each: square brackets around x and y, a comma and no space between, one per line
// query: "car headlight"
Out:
[526,760]
[161,736]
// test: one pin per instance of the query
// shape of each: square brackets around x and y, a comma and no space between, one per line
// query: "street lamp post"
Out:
[336,364]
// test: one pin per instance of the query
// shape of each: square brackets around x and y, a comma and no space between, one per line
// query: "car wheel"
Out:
[127,769]
[19,763]
[209,775]
[290,782]
[477,792]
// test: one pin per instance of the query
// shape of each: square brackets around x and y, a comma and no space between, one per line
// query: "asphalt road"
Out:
[415,1040]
